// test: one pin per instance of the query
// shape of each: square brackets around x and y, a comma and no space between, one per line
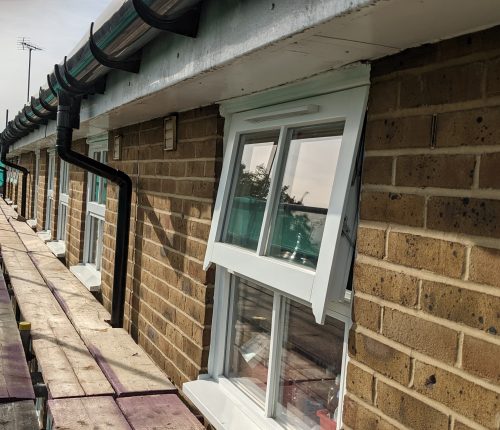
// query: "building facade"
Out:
[320,253]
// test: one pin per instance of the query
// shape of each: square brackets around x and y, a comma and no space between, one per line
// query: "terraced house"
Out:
[292,206]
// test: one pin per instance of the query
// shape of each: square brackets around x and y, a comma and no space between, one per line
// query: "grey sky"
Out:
[55,25]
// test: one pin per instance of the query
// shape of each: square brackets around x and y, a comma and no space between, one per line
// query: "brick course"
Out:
[169,297]
[426,334]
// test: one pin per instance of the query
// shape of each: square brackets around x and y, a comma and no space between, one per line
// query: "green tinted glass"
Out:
[250,188]
[306,185]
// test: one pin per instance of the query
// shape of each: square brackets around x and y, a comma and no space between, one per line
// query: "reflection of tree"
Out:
[294,228]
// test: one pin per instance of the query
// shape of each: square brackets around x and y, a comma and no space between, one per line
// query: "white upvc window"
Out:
[282,241]
[62,219]
[286,205]
[51,170]
[37,184]
[96,205]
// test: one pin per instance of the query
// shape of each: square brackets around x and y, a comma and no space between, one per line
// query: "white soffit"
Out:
[381,28]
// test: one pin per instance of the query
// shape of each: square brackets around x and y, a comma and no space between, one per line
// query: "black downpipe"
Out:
[24,171]
[68,118]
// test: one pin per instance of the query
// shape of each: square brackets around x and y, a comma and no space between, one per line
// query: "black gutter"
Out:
[116,45]
[68,118]
[24,171]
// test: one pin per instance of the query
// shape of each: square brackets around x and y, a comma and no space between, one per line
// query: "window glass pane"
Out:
[305,193]
[248,359]
[93,239]
[63,214]
[102,194]
[250,189]
[311,363]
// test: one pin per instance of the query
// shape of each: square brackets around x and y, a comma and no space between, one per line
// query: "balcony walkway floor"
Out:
[96,376]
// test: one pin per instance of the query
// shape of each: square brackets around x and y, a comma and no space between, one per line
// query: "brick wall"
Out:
[425,346]
[169,297]
[76,208]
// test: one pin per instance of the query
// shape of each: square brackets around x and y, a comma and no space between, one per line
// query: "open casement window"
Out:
[63,201]
[96,205]
[51,171]
[286,205]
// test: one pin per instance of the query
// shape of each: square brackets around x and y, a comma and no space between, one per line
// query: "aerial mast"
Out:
[24,44]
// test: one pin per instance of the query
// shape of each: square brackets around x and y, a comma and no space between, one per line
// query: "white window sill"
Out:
[88,276]
[57,247]
[31,223]
[45,235]
[8,201]
[224,409]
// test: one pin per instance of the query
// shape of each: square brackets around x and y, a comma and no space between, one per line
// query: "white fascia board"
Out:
[244,47]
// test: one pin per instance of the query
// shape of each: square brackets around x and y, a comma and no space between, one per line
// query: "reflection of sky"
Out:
[310,169]
[259,154]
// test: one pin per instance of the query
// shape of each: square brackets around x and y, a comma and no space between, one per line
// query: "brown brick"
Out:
[397,133]
[366,313]
[469,127]
[359,382]
[420,252]
[493,78]
[408,410]
[485,265]
[386,284]
[377,170]
[380,357]
[488,172]
[424,336]
[404,209]
[407,59]
[461,426]
[357,417]
[442,86]
[481,358]
[371,241]
[461,395]
[478,217]
[383,96]
[447,171]
[468,307]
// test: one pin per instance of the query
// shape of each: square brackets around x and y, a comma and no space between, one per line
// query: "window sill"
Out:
[45,235]
[88,276]
[8,201]
[57,247]
[31,223]
[225,409]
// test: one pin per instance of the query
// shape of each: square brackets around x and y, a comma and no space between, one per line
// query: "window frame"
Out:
[37,184]
[97,144]
[63,201]
[49,200]
[314,287]
[220,344]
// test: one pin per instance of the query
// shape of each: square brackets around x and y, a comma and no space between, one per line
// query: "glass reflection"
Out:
[311,364]
[251,189]
[248,359]
[305,193]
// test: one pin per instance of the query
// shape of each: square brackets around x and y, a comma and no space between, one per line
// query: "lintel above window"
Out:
[286,203]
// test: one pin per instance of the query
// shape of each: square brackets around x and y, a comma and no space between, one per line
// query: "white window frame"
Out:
[62,221]
[37,183]
[314,287]
[93,209]
[51,172]
[219,347]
